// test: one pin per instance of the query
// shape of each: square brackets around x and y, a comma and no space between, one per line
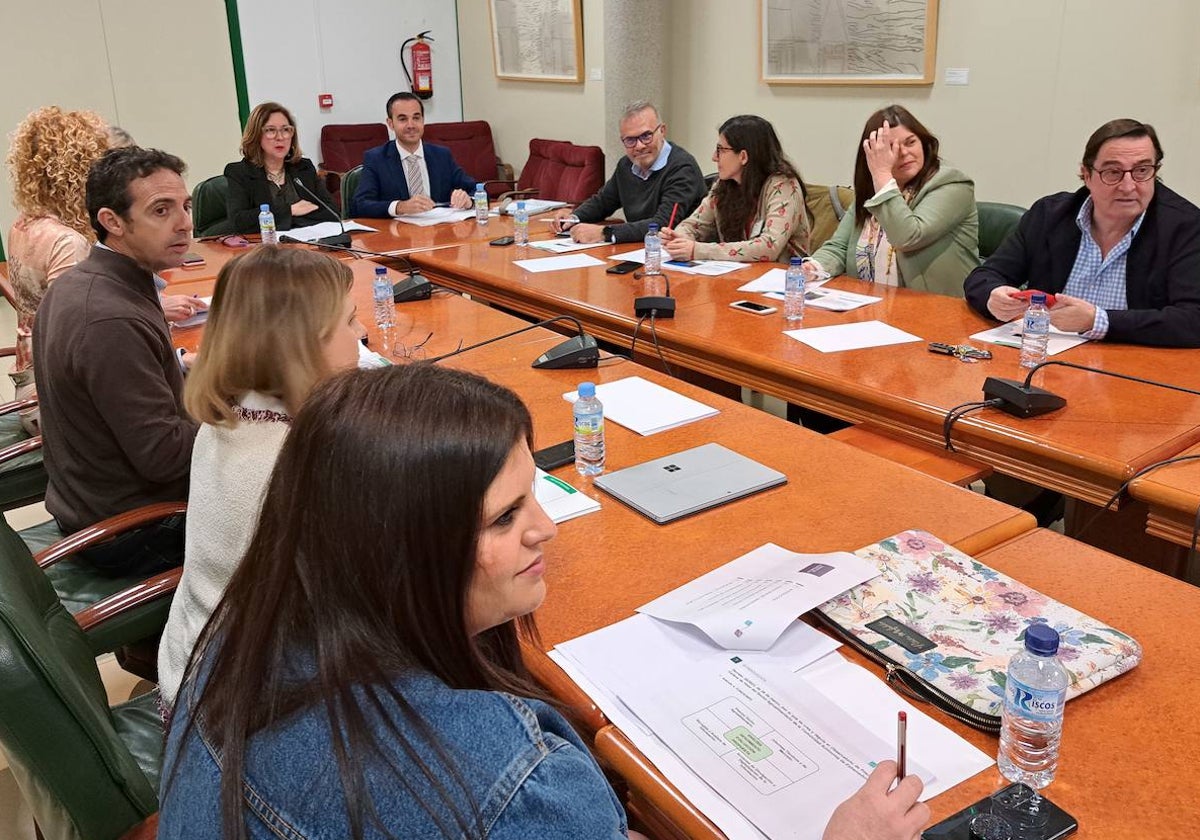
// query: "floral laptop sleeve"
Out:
[945,625]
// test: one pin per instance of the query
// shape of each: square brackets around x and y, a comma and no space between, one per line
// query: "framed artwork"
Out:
[848,42]
[538,40]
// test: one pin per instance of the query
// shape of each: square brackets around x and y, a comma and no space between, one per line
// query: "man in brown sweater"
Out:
[114,429]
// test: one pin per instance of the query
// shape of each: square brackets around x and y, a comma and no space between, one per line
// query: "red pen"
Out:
[674,210]
[901,743]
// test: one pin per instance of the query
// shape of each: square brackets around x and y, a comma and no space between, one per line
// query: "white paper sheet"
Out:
[564,246]
[645,407]
[562,263]
[837,300]
[765,739]
[436,216]
[559,499]
[855,336]
[707,268]
[199,318]
[533,206]
[773,281]
[1009,335]
[368,358]
[311,233]
[748,603]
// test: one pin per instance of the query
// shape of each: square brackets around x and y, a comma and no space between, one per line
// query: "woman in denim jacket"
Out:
[362,676]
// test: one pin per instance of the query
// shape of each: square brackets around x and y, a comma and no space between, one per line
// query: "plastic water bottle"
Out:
[481,205]
[653,250]
[1036,332]
[266,225]
[521,224]
[793,293]
[1034,698]
[589,431]
[385,306]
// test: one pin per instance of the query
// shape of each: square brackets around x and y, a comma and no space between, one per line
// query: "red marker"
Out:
[674,209]
[901,744]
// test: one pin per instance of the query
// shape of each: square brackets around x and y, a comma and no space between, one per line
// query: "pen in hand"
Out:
[901,744]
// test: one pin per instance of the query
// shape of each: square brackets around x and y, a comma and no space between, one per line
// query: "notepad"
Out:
[437,216]
[197,319]
[1009,335]
[559,499]
[311,233]
[644,407]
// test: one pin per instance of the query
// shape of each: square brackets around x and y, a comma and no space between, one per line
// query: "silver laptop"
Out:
[688,482]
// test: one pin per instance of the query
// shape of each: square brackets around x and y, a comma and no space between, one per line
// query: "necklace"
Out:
[275,177]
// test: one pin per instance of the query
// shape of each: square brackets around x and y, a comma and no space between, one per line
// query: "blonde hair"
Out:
[48,160]
[271,312]
[252,136]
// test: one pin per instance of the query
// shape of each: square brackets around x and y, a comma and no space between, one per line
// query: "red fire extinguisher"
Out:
[421,77]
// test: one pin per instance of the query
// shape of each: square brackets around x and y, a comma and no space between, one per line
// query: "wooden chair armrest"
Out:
[563,688]
[8,351]
[18,405]
[19,448]
[645,780]
[6,289]
[160,586]
[107,529]
[513,195]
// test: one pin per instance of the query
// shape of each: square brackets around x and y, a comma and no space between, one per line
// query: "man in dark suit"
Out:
[409,176]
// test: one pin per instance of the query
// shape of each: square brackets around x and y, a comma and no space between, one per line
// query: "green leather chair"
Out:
[87,771]
[349,185]
[996,221]
[80,588]
[209,216]
[22,474]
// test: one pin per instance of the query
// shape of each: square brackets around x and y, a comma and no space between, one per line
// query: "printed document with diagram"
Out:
[748,603]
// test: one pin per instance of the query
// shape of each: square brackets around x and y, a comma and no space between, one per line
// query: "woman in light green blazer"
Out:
[914,222]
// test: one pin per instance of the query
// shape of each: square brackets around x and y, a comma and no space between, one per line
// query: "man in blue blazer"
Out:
[408,176]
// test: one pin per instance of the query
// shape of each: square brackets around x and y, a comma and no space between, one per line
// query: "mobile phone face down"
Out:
[1013,805]
[553,457]
[191,260]
[752,307]
[502,241]
[623,268]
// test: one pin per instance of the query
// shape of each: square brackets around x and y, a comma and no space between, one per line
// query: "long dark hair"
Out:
[896,115]
[360,567]
[737,203]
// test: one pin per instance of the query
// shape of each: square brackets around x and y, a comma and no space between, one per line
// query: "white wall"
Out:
[349,48]
[111,56]
[1043,75]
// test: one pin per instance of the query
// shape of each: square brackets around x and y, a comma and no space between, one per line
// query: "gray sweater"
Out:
[114,431]
[647,201]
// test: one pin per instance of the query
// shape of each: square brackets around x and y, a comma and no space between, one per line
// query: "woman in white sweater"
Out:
[281,321]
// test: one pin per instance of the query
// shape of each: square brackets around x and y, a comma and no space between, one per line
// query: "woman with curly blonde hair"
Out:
[51,153]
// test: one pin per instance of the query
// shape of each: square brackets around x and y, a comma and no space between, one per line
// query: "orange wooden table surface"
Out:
[1127,760]
[1109,429]
[1173,495]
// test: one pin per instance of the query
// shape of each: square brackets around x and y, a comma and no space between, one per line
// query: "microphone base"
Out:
[1019,400]
[413,287]
[578,352]
[659,307]
[341,240]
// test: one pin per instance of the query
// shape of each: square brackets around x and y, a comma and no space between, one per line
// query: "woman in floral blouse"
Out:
[755,212]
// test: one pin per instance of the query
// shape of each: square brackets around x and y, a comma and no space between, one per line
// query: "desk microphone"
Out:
[342,238]
[413,287]
[1022,399]
[578,352]
[659,306]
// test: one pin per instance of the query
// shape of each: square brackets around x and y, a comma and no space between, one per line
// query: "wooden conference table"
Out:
[1173,495]
[1109,429]
[1136,732]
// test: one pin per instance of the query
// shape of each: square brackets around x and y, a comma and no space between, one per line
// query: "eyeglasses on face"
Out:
[720,149]
[279,130]
[643,138]
[1113,176]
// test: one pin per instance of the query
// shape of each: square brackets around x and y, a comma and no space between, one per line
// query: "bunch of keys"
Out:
[962,352]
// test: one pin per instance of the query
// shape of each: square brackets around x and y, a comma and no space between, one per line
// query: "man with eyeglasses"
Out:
[1121,254]
[409,176]
[652,178]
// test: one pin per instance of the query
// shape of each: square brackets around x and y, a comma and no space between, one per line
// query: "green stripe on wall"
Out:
[239,62]
[2,257]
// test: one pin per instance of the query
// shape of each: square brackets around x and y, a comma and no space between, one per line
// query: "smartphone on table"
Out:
[1017,810]
[752,307]
[623,268]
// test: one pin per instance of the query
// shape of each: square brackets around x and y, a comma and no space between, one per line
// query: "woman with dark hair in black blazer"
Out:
[267,173]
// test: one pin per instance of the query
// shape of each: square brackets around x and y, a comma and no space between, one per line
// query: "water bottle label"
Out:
[589,425]
[1034,703]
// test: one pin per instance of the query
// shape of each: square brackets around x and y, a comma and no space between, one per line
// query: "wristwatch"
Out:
[609,236]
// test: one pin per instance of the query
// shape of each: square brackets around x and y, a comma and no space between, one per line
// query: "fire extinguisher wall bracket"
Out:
[420,79]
